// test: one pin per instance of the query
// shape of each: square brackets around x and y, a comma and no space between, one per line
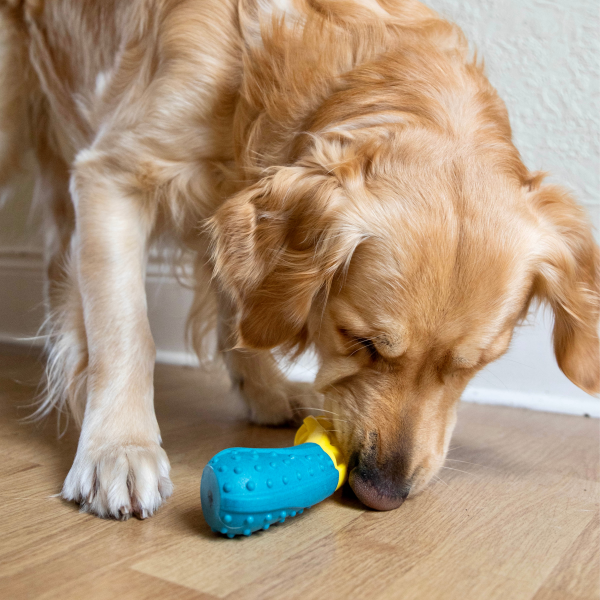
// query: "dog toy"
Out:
[247,489]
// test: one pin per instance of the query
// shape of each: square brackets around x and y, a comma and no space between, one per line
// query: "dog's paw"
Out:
[286,403]
[119,481]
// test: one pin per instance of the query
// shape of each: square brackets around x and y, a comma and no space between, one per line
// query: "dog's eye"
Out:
[369,347]
[357,342]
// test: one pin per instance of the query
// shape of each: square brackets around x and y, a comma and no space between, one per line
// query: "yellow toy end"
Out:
[317,430]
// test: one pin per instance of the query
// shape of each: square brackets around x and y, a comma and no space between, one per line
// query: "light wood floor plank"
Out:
[577,575]
[122,584]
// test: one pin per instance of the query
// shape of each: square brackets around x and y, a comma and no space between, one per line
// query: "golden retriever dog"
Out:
[343,173]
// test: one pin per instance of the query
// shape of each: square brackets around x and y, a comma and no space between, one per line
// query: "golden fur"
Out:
[351,172]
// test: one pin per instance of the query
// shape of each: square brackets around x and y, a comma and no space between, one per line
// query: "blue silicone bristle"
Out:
[244,490]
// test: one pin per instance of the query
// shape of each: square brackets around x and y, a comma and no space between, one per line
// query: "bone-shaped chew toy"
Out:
[247,489]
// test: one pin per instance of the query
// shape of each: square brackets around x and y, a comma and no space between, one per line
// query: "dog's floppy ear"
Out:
[569,281]
[275,245]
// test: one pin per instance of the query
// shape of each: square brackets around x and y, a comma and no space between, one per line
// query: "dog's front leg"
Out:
[120,468]
[271,397]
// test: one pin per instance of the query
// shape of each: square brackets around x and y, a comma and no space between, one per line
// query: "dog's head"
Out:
[407,263]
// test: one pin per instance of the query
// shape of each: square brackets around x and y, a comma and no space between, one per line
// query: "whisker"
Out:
[357,350]
[455,448]
[324,410]
[451,469]
[437,478]
[355,345]
[297,410]
[471,463]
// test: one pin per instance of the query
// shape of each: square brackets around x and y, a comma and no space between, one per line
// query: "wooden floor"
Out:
[515,515]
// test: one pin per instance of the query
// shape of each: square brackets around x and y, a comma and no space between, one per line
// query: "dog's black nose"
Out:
[377,493]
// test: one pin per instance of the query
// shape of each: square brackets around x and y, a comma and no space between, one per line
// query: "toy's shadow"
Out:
[195,522]
[346,497]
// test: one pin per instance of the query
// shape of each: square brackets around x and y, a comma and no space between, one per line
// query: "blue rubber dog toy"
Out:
[247,489]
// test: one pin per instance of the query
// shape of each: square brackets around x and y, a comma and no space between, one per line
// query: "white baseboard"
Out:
[588,407]
[526,377]
[182,359]
[573,404]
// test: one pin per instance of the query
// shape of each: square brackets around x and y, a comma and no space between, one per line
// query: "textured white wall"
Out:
[543,57]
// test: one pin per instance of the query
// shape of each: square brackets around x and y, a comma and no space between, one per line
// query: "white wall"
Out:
[544,58]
